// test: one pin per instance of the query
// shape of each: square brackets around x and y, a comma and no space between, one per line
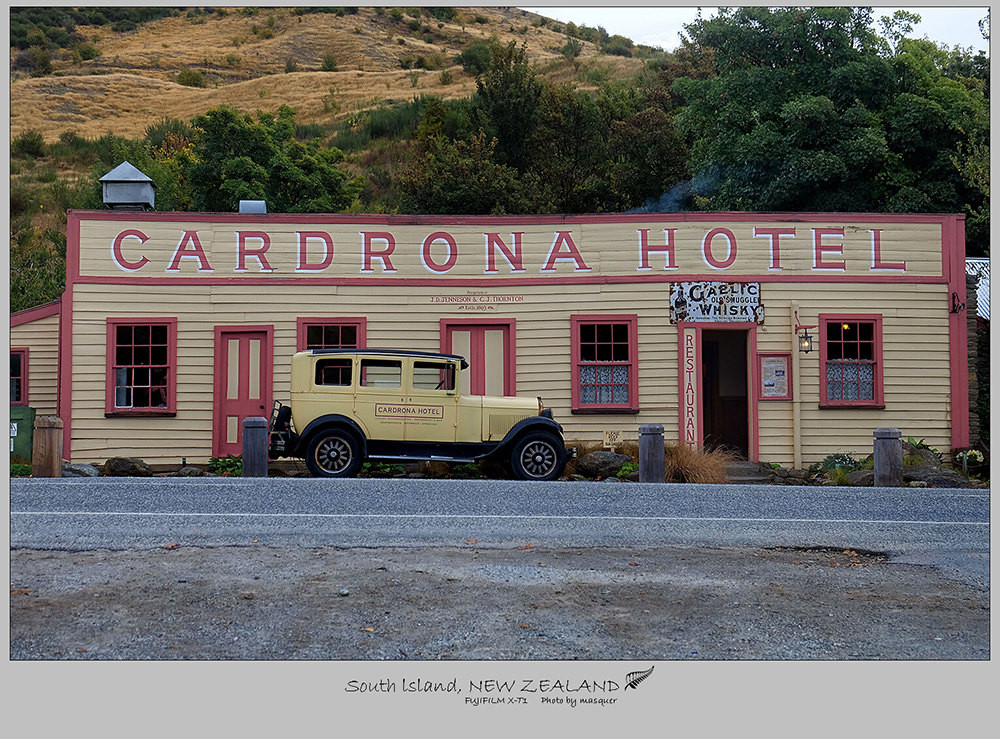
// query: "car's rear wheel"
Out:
[538,456]
[334,453]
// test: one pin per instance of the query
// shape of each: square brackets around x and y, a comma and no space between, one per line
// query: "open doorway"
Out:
[725,390]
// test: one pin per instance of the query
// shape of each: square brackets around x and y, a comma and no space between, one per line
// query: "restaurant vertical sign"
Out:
[690,395]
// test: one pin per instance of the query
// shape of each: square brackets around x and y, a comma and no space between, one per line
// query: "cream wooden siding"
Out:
[41,337]
[915,354]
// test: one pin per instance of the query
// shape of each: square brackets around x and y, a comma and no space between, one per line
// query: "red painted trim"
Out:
[509,326]
[64,393]
[958,334]
[760,373]
[379,279]
[303,323]
[879,400]
[35,314]
[753,377]
[632,319]
[417,220]
[220,378]
[109,380]
[23,351]
[682,404]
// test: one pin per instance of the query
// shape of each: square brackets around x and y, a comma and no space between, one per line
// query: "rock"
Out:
[861,478]
[190,471]
[344,592]
[926,456]
[632,476]
[127,467]
[603,464]
[79,470]
[937,477]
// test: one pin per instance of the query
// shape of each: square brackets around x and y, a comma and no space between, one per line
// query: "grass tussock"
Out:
[684,464]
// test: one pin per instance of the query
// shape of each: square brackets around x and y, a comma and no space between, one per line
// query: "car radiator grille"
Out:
[499,425]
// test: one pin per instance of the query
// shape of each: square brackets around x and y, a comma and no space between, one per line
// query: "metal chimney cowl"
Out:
[253,206]
[126,188]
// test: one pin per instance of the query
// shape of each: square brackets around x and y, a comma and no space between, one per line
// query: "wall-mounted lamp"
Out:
[805,340]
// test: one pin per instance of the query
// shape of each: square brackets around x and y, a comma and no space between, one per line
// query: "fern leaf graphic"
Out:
[634,678]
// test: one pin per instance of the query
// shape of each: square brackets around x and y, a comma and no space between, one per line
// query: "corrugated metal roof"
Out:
[981,267]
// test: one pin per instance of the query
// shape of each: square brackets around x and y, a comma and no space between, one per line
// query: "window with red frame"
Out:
[141,369]
[604,363]
[19,377]
[850,356]
[331,334]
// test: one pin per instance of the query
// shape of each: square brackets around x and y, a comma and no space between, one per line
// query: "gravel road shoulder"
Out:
[477,603]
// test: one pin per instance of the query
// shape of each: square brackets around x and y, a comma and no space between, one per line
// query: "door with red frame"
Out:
[242,383]
[489,349]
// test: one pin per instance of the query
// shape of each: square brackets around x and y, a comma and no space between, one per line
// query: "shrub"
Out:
[291,66]
[572,48]
[20,470]
[445,77]
[30,143]
[85,52]
[229,466]
[190,78]
[832,462]
[476,57]
[329,63]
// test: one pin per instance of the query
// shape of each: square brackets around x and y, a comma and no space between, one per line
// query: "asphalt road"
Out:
[945,527]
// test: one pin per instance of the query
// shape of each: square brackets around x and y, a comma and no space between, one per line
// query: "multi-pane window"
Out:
[331,333]
[604,363]
[19,377]
[141,372]
[850,356]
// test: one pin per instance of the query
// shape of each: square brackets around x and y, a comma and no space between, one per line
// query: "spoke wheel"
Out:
[334,454]
[538,457]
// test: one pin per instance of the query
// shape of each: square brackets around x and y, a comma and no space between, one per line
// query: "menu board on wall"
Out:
[775,376]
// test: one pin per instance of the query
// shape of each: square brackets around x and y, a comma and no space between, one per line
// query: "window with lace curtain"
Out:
[851,360]
[604,363]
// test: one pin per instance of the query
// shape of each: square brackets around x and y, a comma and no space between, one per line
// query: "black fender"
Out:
[331,420]
[535,423]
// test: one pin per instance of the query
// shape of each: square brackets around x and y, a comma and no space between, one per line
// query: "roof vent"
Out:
[253,206]
[126,188]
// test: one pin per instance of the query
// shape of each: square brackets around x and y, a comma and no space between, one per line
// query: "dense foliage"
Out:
[790,109]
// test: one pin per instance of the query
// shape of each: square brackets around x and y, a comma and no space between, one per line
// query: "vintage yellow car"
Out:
[347,406]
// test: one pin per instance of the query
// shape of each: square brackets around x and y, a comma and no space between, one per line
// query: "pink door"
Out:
[242,383]
[489,349]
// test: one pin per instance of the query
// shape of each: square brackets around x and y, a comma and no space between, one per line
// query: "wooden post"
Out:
[652,464]
[888,456]
[255,446]
[46,447]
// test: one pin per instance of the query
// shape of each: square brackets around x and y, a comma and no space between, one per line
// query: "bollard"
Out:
[652,465]
[46,447]
[255,446]
[888,456]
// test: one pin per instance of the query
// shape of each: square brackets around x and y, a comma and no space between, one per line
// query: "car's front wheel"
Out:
[334,453]
[538,456]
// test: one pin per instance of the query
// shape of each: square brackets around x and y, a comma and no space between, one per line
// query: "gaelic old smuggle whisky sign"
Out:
[715,302]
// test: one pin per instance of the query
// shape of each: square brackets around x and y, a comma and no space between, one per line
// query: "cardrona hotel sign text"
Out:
[171,248]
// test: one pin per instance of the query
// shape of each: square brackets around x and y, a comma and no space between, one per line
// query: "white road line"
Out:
[147,514]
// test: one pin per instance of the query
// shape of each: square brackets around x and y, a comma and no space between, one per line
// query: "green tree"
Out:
[463,176]
[508,93]
[810,110]
[239,158]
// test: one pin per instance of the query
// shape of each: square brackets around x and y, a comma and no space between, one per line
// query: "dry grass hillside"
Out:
[244,62]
